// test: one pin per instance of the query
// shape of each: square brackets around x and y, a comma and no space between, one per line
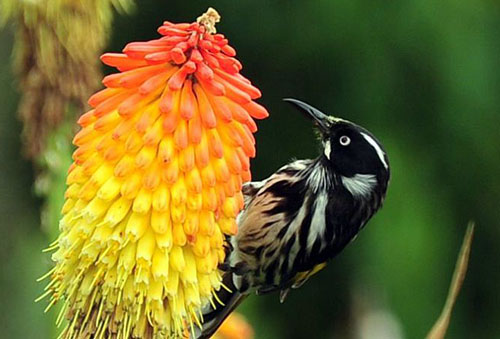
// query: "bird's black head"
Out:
[352,151]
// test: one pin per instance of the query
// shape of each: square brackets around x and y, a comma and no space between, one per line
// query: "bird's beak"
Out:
[322,120]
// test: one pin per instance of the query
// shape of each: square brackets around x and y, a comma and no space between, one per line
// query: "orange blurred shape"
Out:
[234,327]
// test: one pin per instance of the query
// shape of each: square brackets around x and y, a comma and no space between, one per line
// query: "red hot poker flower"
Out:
[155,186]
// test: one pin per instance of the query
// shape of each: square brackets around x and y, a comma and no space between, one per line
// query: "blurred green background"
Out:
[423,76]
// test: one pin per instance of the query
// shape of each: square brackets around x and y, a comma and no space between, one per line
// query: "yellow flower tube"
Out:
[155,186]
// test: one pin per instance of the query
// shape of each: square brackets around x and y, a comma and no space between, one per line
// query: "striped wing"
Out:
[267,239]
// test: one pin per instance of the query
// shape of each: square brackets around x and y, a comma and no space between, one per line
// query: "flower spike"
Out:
[155,186]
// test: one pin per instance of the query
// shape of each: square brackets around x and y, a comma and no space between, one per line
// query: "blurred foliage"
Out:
[440,327]
[421,75]
[53,38]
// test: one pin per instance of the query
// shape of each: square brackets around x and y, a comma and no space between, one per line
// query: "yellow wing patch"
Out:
[301,277]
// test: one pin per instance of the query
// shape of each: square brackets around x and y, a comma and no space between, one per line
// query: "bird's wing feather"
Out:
[264,225]
[255,223]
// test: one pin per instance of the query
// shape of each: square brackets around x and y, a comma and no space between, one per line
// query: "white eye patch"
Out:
[345,140]
[377,148]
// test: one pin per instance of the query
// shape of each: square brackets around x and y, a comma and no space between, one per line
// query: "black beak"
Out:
[321,119]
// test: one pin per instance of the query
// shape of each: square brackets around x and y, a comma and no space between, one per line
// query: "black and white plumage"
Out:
[303,215]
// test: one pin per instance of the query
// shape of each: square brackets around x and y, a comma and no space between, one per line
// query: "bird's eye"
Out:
[345,140]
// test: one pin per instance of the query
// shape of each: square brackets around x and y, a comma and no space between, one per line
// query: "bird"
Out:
[302,215]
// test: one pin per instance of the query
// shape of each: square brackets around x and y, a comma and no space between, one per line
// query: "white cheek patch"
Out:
[377,148]
[360,185]
[328,149]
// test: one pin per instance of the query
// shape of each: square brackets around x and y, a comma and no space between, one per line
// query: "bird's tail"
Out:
[228,300]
